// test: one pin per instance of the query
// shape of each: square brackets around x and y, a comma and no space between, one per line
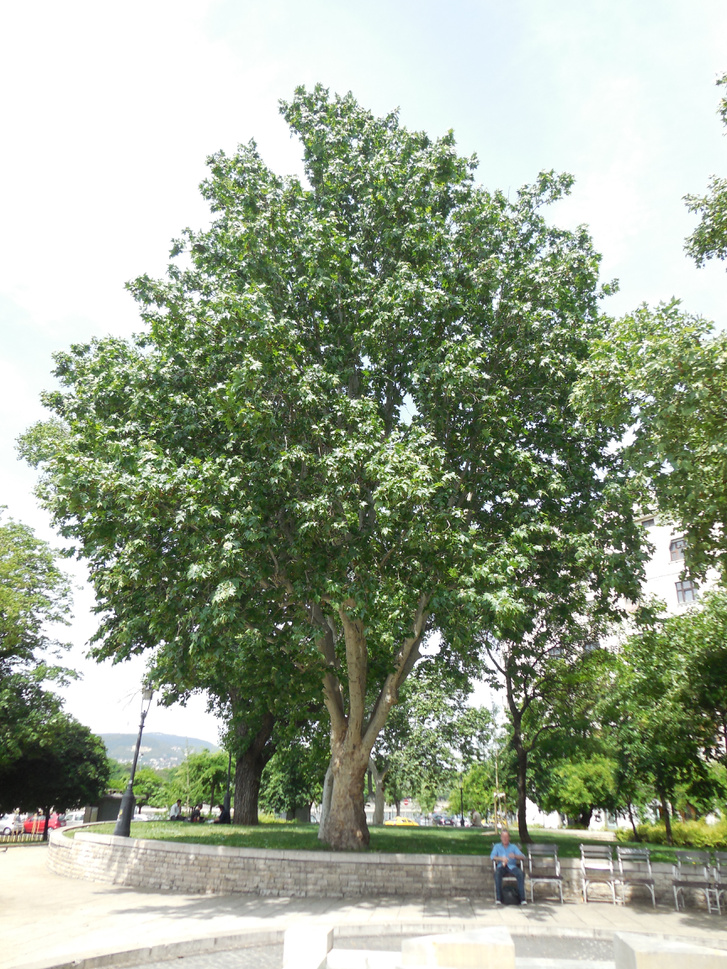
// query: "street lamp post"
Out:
[128,801]
[461,805]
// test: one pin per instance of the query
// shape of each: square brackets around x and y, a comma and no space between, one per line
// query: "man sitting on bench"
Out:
[506,856]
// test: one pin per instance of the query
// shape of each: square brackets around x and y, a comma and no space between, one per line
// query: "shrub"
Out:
[685,834]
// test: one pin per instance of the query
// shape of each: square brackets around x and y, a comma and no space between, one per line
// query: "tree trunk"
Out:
[522,774]
[343,826]
[521,755]
[354,732]
[667,817]
[637,836]
[252,755]
[379,799]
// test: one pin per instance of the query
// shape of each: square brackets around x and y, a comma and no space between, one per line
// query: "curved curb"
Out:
[257,937]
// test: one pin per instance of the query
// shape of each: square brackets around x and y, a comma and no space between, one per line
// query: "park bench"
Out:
[634,870]
[692,873]
[544,868]
[597,869]
[720,874]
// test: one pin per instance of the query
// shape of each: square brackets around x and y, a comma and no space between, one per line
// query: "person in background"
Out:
[506,855]
[175,811]
[196,814]
[224,817]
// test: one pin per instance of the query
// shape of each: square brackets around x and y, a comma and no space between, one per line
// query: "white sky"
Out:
[109,112]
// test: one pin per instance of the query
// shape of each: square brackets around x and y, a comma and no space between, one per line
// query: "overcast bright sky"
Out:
[109,112]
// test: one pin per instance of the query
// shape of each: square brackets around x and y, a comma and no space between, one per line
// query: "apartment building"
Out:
[663,571]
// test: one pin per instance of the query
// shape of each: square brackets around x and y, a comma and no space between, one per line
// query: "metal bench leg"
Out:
[712,893]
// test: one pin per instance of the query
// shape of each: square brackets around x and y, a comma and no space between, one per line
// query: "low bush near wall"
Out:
[685,834]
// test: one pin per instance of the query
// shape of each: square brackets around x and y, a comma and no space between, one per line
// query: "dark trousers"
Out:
[501,871]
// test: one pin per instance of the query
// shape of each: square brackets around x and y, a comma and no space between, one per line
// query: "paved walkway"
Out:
[48,920]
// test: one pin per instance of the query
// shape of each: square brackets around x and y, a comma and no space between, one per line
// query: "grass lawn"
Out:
[385,840]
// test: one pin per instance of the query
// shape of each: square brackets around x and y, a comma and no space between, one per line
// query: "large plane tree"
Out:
[349,409]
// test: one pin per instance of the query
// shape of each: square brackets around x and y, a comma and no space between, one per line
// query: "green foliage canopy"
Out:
[349,418]
[709,239]
[201,778]
[659,378]
[34,601]
[431,736]
[65,766]
[34,597]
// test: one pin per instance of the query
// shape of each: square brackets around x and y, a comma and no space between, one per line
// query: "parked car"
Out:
[407,822]
[75,817]
[35,824]
[11,824]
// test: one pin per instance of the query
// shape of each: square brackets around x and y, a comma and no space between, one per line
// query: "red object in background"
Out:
[36,824]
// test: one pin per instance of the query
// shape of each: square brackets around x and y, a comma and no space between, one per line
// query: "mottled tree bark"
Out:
[353,729]
[252,751]
[344,825]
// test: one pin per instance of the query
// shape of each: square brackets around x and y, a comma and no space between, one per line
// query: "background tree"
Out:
[293,778]
[119,774]
[478,788]
[580,787]
[200,778]
[709,239]
[661,740]
[575,768]
[351,406]
[46,758]
[150,787]
[65,766]
[667,710]
[659,378]
[700,637]
[34,597]
[256,686]
[431,736]
[547,663]
[35,600]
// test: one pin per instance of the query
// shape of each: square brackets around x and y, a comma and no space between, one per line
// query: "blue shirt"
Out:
[500,851]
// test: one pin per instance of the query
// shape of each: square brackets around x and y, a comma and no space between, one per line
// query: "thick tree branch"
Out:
[357,665]
[326,646]
[405,659]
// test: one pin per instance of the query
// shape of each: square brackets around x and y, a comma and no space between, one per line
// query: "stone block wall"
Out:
[207,869]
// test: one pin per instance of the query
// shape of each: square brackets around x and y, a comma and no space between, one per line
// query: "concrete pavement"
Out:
[48,920]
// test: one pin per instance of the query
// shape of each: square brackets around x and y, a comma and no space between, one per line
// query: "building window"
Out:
[676,549]
[686,592]
[647,523]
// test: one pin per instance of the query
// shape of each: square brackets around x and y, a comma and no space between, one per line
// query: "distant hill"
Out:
[157,749]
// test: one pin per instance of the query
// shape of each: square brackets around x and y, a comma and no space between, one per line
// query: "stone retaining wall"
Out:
[206,869]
